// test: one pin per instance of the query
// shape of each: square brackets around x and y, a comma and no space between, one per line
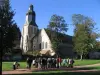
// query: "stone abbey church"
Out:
[34,38]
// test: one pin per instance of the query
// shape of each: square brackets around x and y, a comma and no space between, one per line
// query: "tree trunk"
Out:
[81,56]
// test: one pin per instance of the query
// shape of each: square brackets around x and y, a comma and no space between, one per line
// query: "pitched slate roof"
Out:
[65,38]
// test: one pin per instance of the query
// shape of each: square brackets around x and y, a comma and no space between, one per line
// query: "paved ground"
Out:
[75,69]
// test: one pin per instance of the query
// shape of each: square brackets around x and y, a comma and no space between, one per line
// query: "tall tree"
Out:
[97,45]
[83,28]
[17,32]
[7,30]
[56,25]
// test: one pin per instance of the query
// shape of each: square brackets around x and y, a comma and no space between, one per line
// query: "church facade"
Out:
[33,38]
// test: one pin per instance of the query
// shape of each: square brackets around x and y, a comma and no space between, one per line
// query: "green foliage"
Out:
[98,46]
[55,44]
[16,32]
[81,45]
[34,53]
[83,42]
[56,25]
[7,27]
[63,38]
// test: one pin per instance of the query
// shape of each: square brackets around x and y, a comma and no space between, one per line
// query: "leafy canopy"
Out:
[83,28]
[56,25]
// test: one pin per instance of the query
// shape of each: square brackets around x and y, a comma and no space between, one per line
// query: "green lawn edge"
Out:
[7,66]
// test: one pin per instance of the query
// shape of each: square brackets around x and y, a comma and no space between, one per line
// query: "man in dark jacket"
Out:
[29,62]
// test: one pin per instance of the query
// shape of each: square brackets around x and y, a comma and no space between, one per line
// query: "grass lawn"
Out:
[6,66]
[85,62]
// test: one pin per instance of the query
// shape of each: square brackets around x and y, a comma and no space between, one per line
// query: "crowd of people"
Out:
[46,62]
[49,62]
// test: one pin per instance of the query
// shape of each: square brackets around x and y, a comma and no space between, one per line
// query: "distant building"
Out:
[38,39]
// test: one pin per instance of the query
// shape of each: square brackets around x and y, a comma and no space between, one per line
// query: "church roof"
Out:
[30,11]
[64,38]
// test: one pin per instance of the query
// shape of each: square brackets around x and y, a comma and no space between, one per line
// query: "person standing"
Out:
[64,62]
[39,63]
[59,60]
[36,62]
[54,62]
[68,62]
[14,66]
[33,62]
[48,62]
[45,63]
[27,62]
[72,62]
[30,62]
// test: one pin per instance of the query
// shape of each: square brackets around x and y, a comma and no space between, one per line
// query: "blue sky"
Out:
[46,8]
